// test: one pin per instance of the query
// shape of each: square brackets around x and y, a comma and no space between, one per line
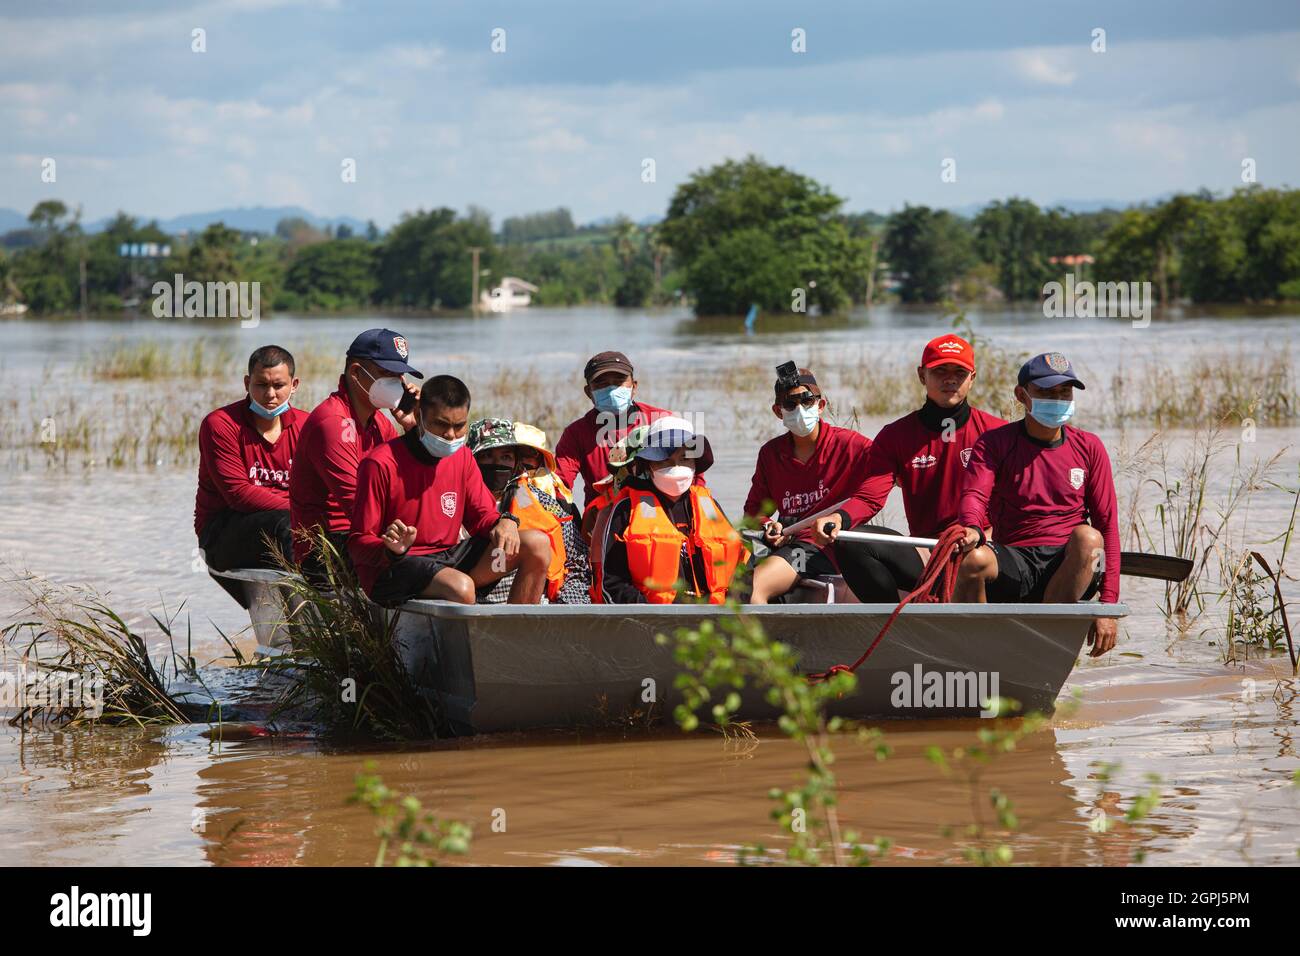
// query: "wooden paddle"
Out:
[802,523]
[1134,564]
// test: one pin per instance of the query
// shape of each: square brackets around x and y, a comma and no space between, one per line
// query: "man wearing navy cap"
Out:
[1046,490]
[338,434]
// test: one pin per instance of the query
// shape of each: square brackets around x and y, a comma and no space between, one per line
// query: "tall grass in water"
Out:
[1251,584]
[201,359]
[1187,522]
[344,669]
[73,634]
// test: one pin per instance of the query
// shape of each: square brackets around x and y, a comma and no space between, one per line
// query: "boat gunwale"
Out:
[453,609]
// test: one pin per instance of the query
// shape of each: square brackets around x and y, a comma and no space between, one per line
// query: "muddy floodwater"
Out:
[1162,714]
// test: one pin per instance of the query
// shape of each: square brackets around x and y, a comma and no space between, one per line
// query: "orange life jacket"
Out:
[525,505]
[654,547]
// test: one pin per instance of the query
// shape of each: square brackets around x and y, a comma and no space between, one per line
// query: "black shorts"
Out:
[312,565]
[806,559]
[1024,572]
[239,539]
[407,577]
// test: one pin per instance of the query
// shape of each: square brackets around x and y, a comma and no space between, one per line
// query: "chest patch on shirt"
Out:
[449,503]
[923,461]
[965,456]
[1076,477]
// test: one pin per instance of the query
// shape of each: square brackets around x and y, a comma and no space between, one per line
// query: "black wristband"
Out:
[511,516]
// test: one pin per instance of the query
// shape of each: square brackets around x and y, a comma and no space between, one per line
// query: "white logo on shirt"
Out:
[923,461]
[965,457]
[449,503]
[1076,477]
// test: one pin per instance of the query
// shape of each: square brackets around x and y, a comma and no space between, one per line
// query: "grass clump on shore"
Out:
[72,660]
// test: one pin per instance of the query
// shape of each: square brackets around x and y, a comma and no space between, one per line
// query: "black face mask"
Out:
[496,477]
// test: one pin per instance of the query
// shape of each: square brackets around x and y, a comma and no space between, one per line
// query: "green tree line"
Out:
[740,233]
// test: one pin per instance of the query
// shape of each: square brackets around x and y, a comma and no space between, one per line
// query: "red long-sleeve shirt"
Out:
[400,480]
[323,486]
[1035,494]
[797,488]
[238,468]
[584,446]
[912,453]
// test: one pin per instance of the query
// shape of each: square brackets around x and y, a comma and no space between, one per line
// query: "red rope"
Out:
[935,586]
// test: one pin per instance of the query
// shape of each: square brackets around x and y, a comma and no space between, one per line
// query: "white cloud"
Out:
[1043,66]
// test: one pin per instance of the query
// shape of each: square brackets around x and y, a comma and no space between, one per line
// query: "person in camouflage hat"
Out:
[519,470]
[492,443]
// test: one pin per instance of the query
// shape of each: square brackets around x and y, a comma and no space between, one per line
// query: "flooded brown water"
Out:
[1220,738]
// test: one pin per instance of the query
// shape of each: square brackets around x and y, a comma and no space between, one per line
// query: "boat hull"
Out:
[494,668]
[499,668]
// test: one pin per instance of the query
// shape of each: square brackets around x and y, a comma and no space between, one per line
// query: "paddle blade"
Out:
[1162,567]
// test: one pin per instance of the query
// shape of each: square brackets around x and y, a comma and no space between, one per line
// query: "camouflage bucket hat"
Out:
[491,433]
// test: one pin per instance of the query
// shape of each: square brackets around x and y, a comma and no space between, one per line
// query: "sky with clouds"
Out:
[587,89]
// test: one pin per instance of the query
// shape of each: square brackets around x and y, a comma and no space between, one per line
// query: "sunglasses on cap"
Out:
[791,402]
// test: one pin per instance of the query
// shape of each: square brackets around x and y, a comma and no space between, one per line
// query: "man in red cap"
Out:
[925,454]
[584,446]
[811,467]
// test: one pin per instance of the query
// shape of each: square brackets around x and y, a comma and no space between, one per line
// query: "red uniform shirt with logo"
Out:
[929,469]
[584,446]
[1034,494]
[323,486]
[238,468]
[435,498]
[797,488]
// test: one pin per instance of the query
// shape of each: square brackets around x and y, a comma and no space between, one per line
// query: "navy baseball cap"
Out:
[385,348]
[1048,370]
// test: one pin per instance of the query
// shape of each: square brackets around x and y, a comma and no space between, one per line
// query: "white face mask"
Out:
[385,392]
[673,480]
[801,421]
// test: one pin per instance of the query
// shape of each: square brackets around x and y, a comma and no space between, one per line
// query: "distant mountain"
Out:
[10,220]
[245,219]
[1070,205]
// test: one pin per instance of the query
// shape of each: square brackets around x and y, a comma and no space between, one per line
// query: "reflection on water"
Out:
[117,796]
[125,796]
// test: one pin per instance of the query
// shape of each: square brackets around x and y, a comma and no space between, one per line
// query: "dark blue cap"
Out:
[1048,370]
[385,348]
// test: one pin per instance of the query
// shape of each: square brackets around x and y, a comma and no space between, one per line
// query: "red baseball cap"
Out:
[948,350]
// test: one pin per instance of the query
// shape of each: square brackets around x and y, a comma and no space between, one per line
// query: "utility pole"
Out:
[83,278]
[475,250]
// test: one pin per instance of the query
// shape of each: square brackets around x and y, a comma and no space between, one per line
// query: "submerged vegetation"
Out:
[71,660]
[343,670]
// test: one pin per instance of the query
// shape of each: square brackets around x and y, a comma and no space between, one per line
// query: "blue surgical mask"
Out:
[613,399]
[260,409]
[1051,412]
[439,447]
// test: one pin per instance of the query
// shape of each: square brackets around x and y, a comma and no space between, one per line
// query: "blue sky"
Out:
[584,91]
